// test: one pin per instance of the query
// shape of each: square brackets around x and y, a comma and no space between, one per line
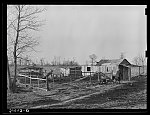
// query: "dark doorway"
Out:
[125,72]
[121,72]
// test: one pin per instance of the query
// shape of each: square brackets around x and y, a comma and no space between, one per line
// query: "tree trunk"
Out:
[8,77]
[15,76]
[15,55]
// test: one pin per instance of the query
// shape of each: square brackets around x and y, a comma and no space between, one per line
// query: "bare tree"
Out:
[93,58]
[136,60]
[26,60]
[23,20]
[70,62]
[140,60]
[8,77]
[122,55]
[54,61]
[42,62]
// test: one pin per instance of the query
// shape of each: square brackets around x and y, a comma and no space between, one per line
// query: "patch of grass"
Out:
[26,99]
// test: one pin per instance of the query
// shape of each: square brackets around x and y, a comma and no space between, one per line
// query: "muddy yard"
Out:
[82,95]
[125,96]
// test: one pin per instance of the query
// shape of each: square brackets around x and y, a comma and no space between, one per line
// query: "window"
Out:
[107,69]
[88,68]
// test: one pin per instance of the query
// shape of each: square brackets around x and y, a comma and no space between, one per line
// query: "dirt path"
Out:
[81,78]
[78,98]
[128,96]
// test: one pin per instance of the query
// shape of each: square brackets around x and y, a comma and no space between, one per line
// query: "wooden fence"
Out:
[33,82]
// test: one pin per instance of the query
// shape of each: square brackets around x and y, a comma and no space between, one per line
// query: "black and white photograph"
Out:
[76,57]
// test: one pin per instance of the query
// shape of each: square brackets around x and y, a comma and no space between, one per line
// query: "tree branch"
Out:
[36,11]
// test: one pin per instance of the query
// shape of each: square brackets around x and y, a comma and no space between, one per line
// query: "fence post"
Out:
[90,76]
[84,70]
[70,78]
[139,70]
[30,77]
[47,83]
[70,74]
[38,81]
[75,72]
[65,72]
[98,72]
[25,78]
[53,79]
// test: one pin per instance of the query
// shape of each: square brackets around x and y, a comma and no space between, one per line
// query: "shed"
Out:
[75,71]
[108,66]
[65,71]
[34,71]
[89,70]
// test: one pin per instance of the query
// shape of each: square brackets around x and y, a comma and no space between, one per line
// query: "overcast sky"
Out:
[78,31]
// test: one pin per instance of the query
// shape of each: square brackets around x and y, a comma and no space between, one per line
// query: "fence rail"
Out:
[30,81]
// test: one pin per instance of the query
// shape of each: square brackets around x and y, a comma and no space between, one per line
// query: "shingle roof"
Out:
[116,61]
[135,65]
[102,61]
[113,61]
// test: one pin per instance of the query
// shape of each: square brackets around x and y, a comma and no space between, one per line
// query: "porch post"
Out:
[129,74]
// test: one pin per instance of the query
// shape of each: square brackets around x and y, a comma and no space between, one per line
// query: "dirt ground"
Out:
[81,95]
[127,96]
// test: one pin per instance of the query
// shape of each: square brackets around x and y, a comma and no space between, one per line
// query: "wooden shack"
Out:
[75,71]
[89,70]
[113,66]
[33,71]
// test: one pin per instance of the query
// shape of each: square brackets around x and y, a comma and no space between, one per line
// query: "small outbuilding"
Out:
[32,71]
[89,70]
[75,71]
[114,66]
